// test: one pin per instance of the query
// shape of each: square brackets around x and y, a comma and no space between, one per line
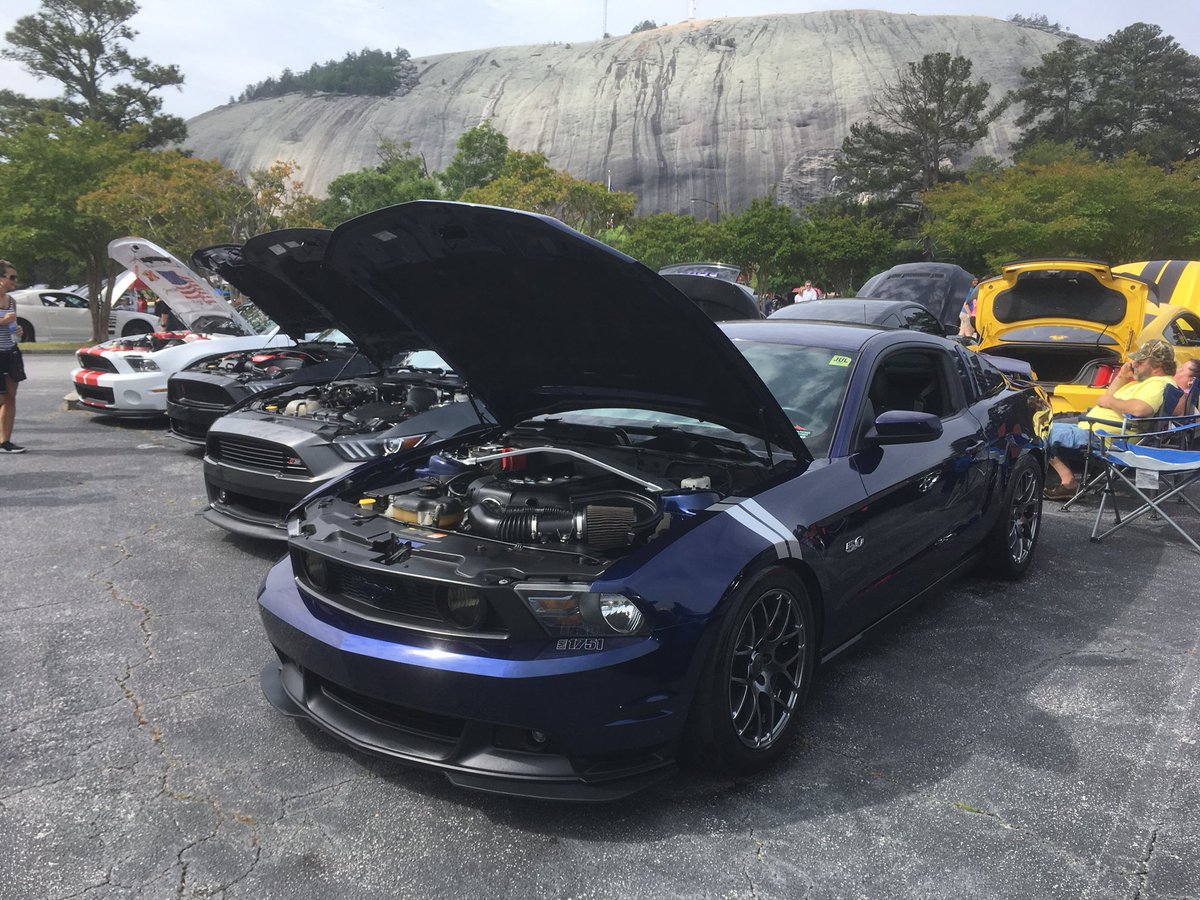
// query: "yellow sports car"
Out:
[1177,325]
[1073,320]
[1172,281]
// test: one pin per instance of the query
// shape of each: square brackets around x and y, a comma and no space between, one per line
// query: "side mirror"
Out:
[902,426]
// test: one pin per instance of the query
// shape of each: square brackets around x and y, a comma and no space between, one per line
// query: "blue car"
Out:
[670,526]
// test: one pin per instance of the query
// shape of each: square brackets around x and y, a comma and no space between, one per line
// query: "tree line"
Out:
[1107,166]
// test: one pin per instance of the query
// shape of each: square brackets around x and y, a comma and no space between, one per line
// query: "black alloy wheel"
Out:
[749,704]
[1011,545]
[767,667]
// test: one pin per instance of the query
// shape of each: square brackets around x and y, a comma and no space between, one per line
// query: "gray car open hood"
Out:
[539,318]
[283,273]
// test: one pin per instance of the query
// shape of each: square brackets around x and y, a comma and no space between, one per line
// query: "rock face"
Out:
[691,117]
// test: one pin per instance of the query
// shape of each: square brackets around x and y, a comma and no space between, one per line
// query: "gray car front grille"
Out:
[255,454]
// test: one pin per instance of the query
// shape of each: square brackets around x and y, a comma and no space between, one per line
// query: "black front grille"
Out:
[372,596]
[192,430]
[95,363]
[255,454]
[198,393]
[431,726]
[398,596]
[94,392]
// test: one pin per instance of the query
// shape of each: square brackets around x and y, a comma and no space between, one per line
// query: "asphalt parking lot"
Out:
[1038,740]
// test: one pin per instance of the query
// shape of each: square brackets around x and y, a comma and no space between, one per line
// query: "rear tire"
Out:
[757,677]
[28,336]
[1009,547]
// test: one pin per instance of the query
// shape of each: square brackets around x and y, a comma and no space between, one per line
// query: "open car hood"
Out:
[264,280]
[1067,301]
[717,298]
[190,297]
[539,318]
[283,272]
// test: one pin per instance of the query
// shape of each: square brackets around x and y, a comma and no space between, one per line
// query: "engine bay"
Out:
[260,365]
[363,405]
[574,497]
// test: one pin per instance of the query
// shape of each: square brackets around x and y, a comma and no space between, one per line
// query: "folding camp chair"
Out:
[1138,467]
[1131,428]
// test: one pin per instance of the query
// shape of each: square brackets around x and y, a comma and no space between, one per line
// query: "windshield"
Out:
[256,317]
[424,359]
[332,336]
[809,383]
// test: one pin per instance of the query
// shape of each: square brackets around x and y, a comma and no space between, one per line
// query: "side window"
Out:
[918,319]
[914,379]
[1185,331]
[988,378]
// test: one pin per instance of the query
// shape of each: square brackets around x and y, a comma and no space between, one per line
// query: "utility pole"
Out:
[691,9]
[604,25]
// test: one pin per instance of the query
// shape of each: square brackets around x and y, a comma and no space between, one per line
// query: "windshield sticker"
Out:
[803,431]
[840,361]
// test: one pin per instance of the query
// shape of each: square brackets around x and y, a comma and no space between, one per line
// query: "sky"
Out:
[222,46]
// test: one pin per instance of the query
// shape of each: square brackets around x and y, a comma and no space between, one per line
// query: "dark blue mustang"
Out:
[671,525]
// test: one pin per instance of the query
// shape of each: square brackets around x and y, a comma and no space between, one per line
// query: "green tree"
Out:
[1071,206]
[1146,96]
[765,239]
[398,178]
[527,181]
[45,169]
[175,200]
[926,120]
[82,44]
[275,199]
[665,238]
[644,25]
[843,251]
[480,156]
[1054,95]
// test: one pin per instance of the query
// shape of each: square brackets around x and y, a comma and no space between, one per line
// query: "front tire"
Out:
[758,675]
[28,335]
[1009,548]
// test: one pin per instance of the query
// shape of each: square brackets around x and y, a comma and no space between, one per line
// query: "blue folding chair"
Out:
[1132,428]
[1138,468]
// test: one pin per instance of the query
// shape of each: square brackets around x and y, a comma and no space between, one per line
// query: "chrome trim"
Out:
[507,454]
[271,472]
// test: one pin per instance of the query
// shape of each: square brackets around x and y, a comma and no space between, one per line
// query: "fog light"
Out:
[465,607]
[316,570]
[538,737]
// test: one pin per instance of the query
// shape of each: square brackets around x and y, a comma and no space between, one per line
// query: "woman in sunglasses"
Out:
[12,368]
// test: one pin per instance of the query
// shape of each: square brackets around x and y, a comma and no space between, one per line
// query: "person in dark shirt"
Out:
[167,320]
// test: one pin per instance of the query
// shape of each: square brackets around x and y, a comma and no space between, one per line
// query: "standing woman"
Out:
[12,369]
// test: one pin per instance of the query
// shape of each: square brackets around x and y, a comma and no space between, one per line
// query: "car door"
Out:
[922,498]
[66,317]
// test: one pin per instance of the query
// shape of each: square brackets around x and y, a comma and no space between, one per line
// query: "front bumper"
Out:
[592,726]
[118,394]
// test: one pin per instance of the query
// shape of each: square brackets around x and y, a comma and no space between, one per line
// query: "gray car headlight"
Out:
[371,448]
[574,611]
[142,364]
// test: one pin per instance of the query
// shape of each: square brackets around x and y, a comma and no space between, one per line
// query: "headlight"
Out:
[396,444]
[142,364]
[574,611]
[359,450]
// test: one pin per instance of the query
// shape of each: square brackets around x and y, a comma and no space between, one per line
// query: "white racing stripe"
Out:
[760,529]
[764,515]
